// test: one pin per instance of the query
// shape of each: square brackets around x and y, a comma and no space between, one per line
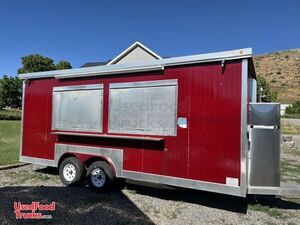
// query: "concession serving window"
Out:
[78,108]
[148,107]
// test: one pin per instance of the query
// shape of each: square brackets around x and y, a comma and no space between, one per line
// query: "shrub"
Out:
[10,92]
[273,80]
[292,116]
[10,115]
[293,109]
[267,94]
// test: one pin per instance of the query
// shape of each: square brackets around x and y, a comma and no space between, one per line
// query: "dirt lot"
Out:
[138,204]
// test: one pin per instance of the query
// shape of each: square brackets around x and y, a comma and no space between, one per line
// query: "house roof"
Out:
[124,54]
[91,64]
[130,49]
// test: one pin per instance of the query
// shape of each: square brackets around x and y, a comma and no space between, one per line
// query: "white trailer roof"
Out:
[153,65]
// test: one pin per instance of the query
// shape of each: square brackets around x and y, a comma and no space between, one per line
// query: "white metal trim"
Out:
[263,127]
[151,65]
[263,103]
[244,139]
[263,190]
[289,189]
[78,87]
[39,161]
[129,49]
[22,118]
[183,182]
[253,91]
[154,83]
[112,71]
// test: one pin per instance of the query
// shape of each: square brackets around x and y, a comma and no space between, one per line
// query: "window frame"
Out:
[144,84]
[56,127]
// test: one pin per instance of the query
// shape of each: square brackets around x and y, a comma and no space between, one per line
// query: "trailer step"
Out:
[284,189]
[290,189]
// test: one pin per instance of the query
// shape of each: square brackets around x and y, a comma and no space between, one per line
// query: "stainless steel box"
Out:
[264,157]
[266,114]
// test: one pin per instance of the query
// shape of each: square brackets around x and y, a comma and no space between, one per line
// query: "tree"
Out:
[264,91]
[10,92]
[11,87]
[38,63]
[62,65]
[293,109]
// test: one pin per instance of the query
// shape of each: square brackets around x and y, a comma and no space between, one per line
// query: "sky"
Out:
[94,30]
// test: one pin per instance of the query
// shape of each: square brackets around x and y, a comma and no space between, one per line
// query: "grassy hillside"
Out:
[282,71]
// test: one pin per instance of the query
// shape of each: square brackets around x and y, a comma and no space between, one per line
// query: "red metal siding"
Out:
[215,115]
[36,109]
[209,149]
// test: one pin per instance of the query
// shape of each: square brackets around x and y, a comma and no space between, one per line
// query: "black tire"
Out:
[100,176]
[70,165]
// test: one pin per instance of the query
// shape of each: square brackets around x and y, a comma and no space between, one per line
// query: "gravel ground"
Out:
[295,122]
[135,204]
[296,137]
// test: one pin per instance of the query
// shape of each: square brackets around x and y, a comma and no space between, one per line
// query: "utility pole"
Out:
[260,94]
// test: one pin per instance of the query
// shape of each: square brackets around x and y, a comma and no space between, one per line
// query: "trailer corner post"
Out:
[244,140]
[22,117]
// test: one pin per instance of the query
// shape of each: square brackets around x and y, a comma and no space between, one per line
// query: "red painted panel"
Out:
[35,135]
[208,96]
[215,114]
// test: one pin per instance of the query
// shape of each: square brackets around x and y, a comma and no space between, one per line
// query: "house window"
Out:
[78,108]
[143,107]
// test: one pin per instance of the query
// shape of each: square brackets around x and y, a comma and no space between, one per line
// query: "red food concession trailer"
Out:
[187,121]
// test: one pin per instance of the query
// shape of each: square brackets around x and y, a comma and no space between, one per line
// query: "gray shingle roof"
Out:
[90,64]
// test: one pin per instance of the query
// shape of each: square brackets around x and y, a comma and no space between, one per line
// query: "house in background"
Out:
[134,53]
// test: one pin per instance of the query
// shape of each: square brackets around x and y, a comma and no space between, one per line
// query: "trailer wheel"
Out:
[71,171]
[100,176]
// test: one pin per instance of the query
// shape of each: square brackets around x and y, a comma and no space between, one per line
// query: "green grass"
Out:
[28,177]
[273,212]
[9,142]
[290,171]
[10,115]
[292,116]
